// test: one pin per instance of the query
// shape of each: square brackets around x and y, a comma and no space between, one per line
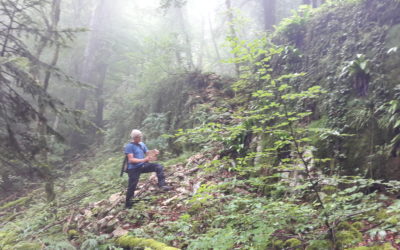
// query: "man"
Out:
[139,162]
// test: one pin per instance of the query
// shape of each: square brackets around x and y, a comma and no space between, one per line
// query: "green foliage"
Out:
[294,27]
[278,109]
[154,126]
[360,65]
[25,96]
[61,245]
[96,242]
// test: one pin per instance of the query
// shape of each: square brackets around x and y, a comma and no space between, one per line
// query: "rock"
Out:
[180,176]
[112,222]
[182,190]
[103,222]
[119,232]
[109,226]
[88,214]
[115,197]
[101,203]
[166,202]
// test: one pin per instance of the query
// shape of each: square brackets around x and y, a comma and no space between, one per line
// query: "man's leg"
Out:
[159,169]
[134,175]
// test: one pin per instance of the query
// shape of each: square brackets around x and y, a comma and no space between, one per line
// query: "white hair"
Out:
[136,133]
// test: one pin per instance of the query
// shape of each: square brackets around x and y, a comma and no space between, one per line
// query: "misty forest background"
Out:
[278,123]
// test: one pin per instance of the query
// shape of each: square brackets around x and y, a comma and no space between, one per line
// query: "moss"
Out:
[344,225]
[358,225]
[7,238]
[25,246]
[393,221]
[348,238]
[292,243]
[345,229]
[131,242]
[393,36]
[319,244]
[72,234]
[386,246]
[329,189]
[278,244]
[20,201]
[382,215]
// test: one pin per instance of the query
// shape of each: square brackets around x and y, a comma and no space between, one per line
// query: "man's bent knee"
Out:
[159,168]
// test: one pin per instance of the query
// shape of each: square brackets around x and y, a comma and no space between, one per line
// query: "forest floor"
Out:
[89,211]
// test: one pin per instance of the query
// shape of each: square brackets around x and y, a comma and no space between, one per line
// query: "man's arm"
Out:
[132,159]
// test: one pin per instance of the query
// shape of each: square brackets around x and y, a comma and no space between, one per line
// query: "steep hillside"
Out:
[352,51]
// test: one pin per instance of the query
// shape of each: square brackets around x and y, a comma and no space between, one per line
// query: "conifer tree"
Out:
[25,32]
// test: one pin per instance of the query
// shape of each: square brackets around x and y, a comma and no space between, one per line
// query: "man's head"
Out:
[136,135]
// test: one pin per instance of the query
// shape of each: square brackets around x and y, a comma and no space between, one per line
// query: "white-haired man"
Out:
[139,162]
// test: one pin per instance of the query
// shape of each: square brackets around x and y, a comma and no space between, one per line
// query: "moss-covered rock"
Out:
[292,243]
[72,234]
[277,244]
[348,238]
[131,242]
[344,226]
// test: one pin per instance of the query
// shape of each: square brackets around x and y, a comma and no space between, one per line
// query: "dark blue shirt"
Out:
[139,152]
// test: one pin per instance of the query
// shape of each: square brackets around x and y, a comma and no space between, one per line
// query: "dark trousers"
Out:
[134,175]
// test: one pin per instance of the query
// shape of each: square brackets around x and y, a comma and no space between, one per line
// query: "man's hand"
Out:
[146,159]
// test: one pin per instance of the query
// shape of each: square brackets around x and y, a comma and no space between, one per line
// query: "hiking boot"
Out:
[129,204]
[165,188]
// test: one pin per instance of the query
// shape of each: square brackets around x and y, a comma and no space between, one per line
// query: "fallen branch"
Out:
[65,228]
[52,225]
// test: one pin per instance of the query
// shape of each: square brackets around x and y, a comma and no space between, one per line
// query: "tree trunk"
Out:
[178,25]
[269,7]
[46,168]
[308,2]
[232,36]
[202,46]
[99,97]
[94,69]
[214,42]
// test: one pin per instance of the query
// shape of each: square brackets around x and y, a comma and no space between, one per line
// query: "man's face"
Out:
[137,139]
